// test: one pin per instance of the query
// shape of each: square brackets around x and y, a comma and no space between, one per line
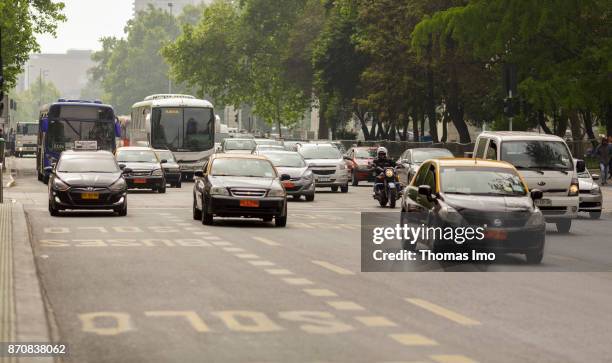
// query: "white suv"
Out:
[327,165]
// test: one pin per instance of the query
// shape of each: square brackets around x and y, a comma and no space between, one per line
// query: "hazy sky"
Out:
[88,21]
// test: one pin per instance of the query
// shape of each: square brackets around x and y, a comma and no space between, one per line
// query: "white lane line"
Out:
[345,305]
[451,358]
[184,224]
[320,292]
[211,238]
[246,255]
[443,312]
[191,229]
[278,271]
[297,281]
[220,243]
[234,249]
[262,263]
[334,268]
[266,241]
[413,339]
[375,321]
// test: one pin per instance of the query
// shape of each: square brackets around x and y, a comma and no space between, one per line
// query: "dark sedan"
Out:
[411,159]
[237,185]
[461,193]
[172,169]
[89,180]
[146,168]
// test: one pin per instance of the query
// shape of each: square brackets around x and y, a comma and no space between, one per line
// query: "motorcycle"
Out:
[387,188]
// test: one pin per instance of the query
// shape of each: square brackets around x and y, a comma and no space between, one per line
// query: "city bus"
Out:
[182,124]
[25,139]
[69,124]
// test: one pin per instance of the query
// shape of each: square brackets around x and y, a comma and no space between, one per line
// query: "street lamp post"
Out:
[170,5]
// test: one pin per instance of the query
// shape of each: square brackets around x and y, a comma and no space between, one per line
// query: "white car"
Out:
[327,165]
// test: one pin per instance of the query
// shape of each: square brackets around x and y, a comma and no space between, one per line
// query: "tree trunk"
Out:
[422,128]
[608,112]
[323,128]
[455,110]
[431,106]
[444,128]
[562,124]
[575,125]
[364,127]
[415,126]
[542,122]
[587,116]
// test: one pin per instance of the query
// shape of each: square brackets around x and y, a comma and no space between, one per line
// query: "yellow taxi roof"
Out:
[472,162]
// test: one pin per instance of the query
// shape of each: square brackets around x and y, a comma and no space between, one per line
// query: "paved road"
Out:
[156,286]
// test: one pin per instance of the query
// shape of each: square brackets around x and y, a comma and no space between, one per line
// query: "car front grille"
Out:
[324,172]
[251,193]
[140,173]
[507,219]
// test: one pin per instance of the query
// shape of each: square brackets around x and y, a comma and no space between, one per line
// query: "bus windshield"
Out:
[68,124]
[183,129]
[27,129]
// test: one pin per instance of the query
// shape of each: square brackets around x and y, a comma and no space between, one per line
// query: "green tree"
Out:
[30,101]
[20,22]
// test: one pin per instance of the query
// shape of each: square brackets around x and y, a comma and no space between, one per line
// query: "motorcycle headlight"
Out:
[119,185]
[596,190]
[450,215]
[219,191]
[60,185]
[388,173]
[536,219]
[157,172]
[276,193]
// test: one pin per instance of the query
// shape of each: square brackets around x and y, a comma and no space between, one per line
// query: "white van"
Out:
[546,163]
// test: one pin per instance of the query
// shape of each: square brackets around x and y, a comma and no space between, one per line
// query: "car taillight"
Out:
[573,189]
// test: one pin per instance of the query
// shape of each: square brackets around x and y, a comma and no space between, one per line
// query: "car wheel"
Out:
[310,197]
[197,214]
[45,179]
[382,201]
[354,181]
[162,189]
[178,184]
[122,212]
[297,197]
[207,218]
[334,188]
[344,188]
[52,210]
[267,219]
[280,221]
[40,177]
[595,215]
[534,257]
[564,226]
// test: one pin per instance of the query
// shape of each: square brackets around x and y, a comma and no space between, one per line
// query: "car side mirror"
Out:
[126,170]
[536,194]
[198,173]
[595,176]
[285,177]
[49,169]
[164,161]
[121,166]
[580,166]
[425,190]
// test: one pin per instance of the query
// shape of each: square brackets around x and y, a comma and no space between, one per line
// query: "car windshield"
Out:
[481,181]
[419,156]
[238,144]
[165,155]
[365,153]
[242,167]
[320,152]
[268,142]
[27,129]
[292,160]
[87,165]
[136,156]
[537,154]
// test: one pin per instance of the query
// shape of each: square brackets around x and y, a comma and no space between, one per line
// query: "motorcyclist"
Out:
[380,163]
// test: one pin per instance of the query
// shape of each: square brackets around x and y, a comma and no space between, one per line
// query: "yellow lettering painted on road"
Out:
[58,230]
[320,322]
[53,243]
[221,243]
[297,281]
[97,229]
[334,268]
[413,339]
[123,243]
[89,243]
[191,316]
[320,292]
[278,271]
[443,312]
[345,305]
[234,249]
[106,323]
[266,241]
[191,242]
[154,242]
[375,321]
[261,263]
[451,358]
[247,256]
[163,229]
[127,229]
[248,321]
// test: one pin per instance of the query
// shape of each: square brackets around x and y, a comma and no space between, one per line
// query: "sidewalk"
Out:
[22,312]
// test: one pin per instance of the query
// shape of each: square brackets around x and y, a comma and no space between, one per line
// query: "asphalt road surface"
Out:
[157,286]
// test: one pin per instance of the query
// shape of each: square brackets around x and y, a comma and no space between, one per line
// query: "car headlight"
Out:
[307,174]
[341,166]
[276,193]
[219,191]
[157,172]
[59,185]
[536,219]
[119,185]
[450,215]
[573,189]
[596,190]
[389,173]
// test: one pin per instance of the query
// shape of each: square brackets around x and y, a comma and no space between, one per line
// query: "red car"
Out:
[358,162]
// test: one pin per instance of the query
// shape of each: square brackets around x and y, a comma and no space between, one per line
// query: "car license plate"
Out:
[499,234]
[543,202]
[140,181]
[323,178]
[90,196]
[249,203]
[288,184]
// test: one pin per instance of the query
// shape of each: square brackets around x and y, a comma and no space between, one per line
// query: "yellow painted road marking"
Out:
[345,305]
[233,249]
[184,224]
[204,233]
[443,312]
[248,321]
[266,241]
[191,316]
[412,339]
[297,281]
[449,358]
[262,263]
[246,255]
[316,322]
[220,243]
[278,271]
[375,321]
[334,268]
[320,292]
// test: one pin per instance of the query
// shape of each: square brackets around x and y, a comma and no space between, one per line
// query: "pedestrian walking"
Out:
[604,153]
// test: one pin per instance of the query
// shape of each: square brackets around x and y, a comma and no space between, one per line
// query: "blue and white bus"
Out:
[65,123]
